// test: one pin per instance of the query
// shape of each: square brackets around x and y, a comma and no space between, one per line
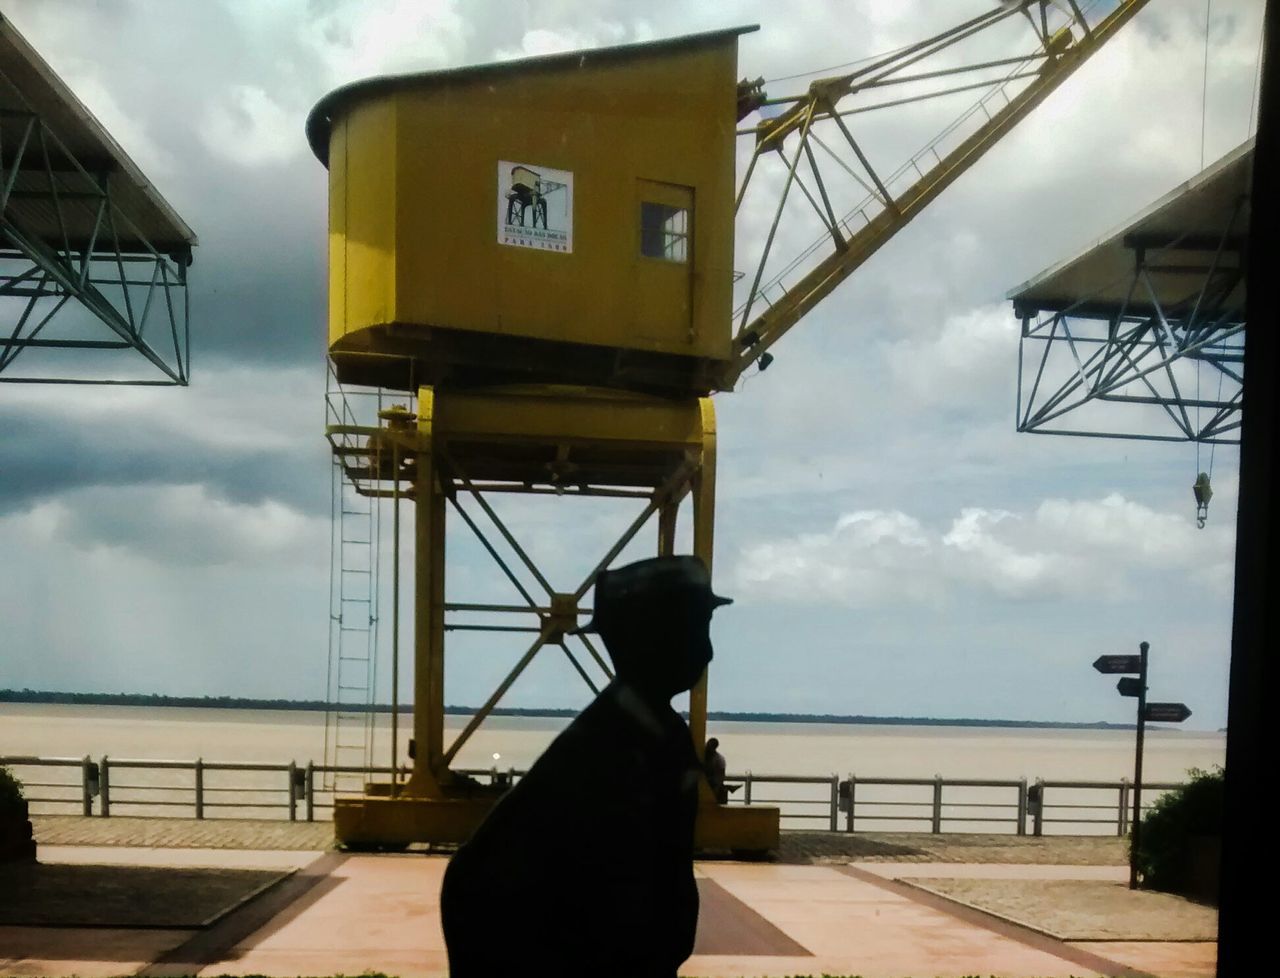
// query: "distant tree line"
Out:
[251,703]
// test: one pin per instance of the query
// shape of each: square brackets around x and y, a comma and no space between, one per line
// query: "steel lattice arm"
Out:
[1062,39]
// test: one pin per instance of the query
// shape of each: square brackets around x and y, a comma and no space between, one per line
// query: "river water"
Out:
[819,750]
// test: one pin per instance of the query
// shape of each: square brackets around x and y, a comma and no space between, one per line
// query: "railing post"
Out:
[86,792]
[311,791]
[1022,807]
[853,800]
[104,785]
[199,787]
[835,803]
[1122,823]
[746,791]
[937,804]
[293,791]
[1037,810]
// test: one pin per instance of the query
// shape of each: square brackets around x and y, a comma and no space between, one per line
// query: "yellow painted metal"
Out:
[539,435]
[417,268]
[429,776]
[704,511]
[803,295]
[377,820]
[580,416]
[746,828]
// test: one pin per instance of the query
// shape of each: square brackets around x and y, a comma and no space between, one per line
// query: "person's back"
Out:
[713,764]
[586,866]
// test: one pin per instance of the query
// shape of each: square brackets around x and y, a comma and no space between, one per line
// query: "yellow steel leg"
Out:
[704,511]
[667,528]
[428,638]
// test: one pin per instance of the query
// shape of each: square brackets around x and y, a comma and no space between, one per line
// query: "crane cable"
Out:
[1257,81]
[1204,85]
[1202,489]
[1086,9]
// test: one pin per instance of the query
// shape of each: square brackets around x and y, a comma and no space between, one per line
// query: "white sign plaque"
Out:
[535,207]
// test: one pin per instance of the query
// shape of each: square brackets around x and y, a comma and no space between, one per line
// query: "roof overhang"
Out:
[1201,224]
[320,119]
[81,152]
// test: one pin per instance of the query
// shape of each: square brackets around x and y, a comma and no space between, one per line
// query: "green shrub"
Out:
[10,790]
[1191,811]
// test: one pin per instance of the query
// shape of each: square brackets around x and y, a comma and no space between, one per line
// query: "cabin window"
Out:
[666,221]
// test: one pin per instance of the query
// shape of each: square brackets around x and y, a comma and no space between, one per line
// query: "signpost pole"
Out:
[1137,769]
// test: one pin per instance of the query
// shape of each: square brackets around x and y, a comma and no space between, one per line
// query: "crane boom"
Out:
[1064,40]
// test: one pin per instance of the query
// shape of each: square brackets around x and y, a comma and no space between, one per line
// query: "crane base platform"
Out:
[374,822]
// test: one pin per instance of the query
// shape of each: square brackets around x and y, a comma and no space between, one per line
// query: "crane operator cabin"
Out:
[559,219]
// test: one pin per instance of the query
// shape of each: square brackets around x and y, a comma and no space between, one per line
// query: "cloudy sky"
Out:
[895,547]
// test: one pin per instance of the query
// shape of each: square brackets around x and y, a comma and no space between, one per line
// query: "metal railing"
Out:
[220,789]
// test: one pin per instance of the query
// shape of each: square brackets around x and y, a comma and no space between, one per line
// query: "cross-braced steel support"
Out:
[463,449]
[1177,351]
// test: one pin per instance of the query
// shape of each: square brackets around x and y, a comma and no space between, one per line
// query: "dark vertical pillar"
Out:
[1245,920]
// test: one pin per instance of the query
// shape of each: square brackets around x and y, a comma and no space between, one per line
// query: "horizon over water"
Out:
[801,748]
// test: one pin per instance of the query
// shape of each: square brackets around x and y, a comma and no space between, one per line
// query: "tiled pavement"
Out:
[190,833]
[852,913]
[797,847]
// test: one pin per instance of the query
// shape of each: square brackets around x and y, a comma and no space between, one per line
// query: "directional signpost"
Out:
[1136,686]
[1130,686]
[1166,712]
[1118,663]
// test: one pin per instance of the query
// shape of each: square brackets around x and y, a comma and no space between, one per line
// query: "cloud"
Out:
[249,128]
[182,525]
[358,40]
[1104,549]
[542,40]
[134,134]
[963,363]
[244,434]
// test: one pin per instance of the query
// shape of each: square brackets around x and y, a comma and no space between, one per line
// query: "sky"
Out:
[894,546]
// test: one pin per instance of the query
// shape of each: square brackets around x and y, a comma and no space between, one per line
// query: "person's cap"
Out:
[647,581]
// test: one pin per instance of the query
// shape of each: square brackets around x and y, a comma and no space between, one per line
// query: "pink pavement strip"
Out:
[381,913]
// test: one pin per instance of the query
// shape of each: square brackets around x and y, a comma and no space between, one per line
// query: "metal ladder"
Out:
[353,629]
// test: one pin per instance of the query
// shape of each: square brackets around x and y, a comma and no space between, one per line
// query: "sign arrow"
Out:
[1130,686]
[1118,663]
[1166,712]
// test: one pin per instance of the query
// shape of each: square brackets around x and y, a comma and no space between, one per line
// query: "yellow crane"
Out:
[576,356]
[1056,40]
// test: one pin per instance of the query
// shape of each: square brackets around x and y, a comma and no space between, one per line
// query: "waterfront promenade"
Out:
[176,896]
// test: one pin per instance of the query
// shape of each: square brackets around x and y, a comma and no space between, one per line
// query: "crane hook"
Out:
[1203,493]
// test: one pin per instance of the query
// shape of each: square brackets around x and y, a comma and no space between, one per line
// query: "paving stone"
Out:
[797,847]
[840,847]
[1084,910]
[78,830]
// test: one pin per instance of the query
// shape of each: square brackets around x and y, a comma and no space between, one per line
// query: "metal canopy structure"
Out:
[93,260]
[1152,316]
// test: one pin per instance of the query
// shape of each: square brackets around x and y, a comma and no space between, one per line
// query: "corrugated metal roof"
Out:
[321,117]
[1184,227]
[29,85]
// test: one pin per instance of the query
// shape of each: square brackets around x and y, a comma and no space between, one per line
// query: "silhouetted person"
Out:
[714,764]
[586,866]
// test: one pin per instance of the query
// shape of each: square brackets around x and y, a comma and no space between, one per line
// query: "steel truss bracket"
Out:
[1172,347]
[79,280]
